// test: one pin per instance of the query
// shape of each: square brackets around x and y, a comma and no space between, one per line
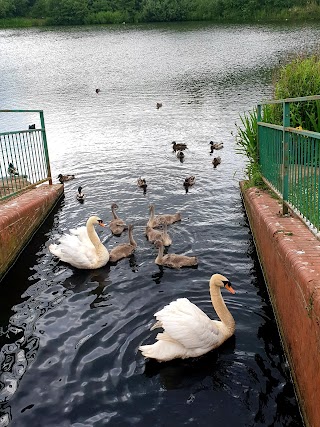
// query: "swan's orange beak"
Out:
[100,222]
[230,288]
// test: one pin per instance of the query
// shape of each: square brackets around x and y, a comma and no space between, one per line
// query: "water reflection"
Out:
[188,372]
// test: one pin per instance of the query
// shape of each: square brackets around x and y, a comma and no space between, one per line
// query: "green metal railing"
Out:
[289,159]
[24,158]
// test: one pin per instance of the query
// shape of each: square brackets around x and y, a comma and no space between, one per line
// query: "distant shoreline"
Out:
[286,16]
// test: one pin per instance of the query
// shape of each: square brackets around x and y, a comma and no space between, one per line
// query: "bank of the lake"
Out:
[293,15]
[289,254]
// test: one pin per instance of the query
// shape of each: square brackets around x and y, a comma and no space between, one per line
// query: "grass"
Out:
[22,22]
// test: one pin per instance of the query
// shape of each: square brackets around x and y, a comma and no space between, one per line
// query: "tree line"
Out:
[78,12]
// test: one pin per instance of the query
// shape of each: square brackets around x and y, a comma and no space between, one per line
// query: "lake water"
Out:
[69,338]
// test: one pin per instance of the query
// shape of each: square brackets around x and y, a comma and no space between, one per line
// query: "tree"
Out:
[7,8]
[68,12]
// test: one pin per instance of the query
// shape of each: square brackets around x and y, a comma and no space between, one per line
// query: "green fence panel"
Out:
[289,160]
[24,158]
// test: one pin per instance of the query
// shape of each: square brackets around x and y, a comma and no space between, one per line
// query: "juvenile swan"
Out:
[173,260]
[124,250]
[157,220]
[188,331]
[163,235]
[82,248]
[116,225]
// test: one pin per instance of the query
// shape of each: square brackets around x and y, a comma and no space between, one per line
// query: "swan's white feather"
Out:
[188,331]
[73,251]
[82,234]
[185,323]
[78,250]
[163,350]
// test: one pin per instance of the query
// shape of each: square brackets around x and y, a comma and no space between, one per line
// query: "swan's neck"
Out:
[151,213]
[115,216]
[165,229]
[221,308]
[160,253]
[131,239]
[93,236]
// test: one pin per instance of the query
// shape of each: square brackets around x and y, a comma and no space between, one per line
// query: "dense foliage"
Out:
[64,12]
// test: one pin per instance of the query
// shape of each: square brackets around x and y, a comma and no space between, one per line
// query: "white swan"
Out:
[188,331]
[82,248]
[157,220]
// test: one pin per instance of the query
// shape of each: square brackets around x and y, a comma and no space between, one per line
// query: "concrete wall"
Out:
[20,217]
[289,254]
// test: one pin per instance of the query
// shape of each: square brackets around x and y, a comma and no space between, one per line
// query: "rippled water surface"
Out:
[69,338]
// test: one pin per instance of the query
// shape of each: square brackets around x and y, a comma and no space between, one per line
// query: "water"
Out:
[69,339]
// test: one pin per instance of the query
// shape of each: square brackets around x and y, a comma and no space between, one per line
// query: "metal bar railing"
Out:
[289,159]
[24,158]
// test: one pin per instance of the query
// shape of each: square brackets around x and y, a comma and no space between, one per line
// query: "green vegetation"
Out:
[20,13]
[299,78]
[247,144]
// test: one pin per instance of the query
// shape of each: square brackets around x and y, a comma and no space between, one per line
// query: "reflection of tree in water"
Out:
[17,352]
[184,373]
[133,263]
[18,342]
[156,277]
[102,297]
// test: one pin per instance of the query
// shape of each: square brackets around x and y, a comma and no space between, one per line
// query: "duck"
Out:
[65,178]
[80,195]
[12,170]
[98,90]
[124,250]
[116,225]
[82,248]
[173,260]
[188,182]
[216,161]
[178,147]
[163,235]
[187,331]
[157,220]
[215,146]
[159,105]
[180,155]
[142,183]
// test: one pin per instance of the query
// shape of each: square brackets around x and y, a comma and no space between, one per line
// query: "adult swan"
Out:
[188,331]
[82,248]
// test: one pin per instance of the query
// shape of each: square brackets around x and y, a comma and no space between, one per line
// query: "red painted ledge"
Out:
[289,255]
[20,217]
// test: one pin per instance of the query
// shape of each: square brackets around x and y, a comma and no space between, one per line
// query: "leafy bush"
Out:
[301,77]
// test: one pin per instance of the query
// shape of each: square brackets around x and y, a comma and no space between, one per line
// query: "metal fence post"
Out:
[258,132]
[285,143]
[45,145]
